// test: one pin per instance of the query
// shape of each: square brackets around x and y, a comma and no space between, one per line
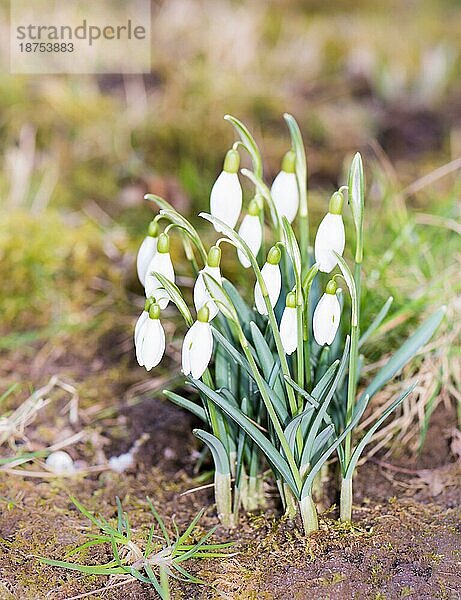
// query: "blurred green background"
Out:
[78,153]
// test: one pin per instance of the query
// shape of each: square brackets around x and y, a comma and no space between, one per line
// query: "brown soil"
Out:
[405,542]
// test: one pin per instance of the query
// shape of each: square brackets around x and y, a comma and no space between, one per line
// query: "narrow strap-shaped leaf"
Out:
[220,296]
[356,196]
[420,337]
[292,248]
[218,451]
[266,360]
[376,321]
[231,350]
[272,454]
[321,439]
[324,406]
[369,434]
[349,279]
[190,406]
[292,428]
[298,389]
[323,384]
[243,310]
[176,297]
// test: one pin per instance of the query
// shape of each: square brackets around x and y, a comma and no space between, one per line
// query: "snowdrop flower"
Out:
[161,263]
[272,279]
[147,250]
[60,463]
[251,232]
[330,235]
[150,339]
[226,194]
[327,315]
[284,189]
[289,325]
[201,295]
[198,346]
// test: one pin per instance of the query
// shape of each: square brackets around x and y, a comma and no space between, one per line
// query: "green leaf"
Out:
[301,392]
[376,321]
[292,428]
[407,351]
[221,460]
[266,359]
[176,297]
[190,406]
[301,164]
[292,249]
[325,381]
[248,142]
[265,192]
[244,312]
[231,350]
[219,295]
[272,454]
[369,434]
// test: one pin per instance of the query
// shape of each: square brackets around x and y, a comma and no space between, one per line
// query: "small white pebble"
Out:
[60,463]
[121,463]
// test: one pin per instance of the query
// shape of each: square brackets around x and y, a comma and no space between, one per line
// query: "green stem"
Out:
[223,497]
[353,358]
[164,583]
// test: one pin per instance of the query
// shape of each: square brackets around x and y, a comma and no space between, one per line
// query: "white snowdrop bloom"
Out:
[284,189]
[139,324]
[197,347]
[201,295]
[251,232]
[226,193]
[150,341]
[327,316]
[60,463]
[160,263]
[273,280]
[289,325]
[147,251]
[330,236]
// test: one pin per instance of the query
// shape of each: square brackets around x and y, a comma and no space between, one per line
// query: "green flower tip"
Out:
[152,230]
[214,256]
[232,161]
[203,314]
[163,244]
[253,208]
[274,255]
[331,287]
[154,311]
[291,300]
[289,162]
[148,303]
[336,204]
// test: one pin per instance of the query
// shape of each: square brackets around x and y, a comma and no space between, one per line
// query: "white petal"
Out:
[289,330]
[326,319]
[139,323]
[284,192]
[273,281]
[201,294]
[330,236]
[161,263]
[251,233]
[186,348]
[139,339]
[226,199]
[146,252]
[201,350]
[153,346]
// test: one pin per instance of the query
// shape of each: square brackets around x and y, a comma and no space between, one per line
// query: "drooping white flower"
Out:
[272,279]
[251,232]
[330,236]
[161,263]
[284,189]
[197,347]
[147,251]
[327,316]
[150,339]
[289,325]
[202,296]
[226,194]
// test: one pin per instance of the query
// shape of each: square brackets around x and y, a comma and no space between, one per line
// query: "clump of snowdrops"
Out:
[276,368]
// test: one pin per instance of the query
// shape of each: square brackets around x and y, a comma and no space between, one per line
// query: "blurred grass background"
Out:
[78,153]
